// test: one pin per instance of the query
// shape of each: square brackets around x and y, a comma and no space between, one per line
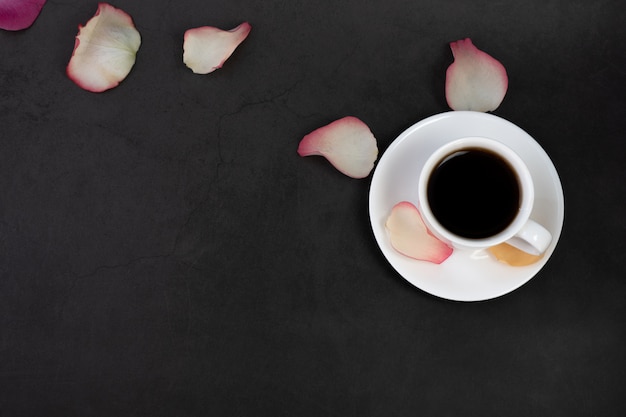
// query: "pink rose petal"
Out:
[105,50]
[475,80]
[409,236]
[206,48]
[347,143]
[19,14]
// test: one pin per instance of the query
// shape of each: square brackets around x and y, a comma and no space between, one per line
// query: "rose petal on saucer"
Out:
[347,143]
[19,14]
[475,80]
[409,236]
[105,50]
[513,256]
[206,48]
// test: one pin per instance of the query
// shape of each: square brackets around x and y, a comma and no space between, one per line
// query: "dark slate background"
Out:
[164,251]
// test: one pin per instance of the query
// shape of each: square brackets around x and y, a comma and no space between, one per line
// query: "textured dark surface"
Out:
[165,252]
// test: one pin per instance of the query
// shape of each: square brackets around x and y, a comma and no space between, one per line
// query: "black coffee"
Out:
[474,193]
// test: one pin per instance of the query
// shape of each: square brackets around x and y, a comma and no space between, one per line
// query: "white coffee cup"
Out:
[521,232]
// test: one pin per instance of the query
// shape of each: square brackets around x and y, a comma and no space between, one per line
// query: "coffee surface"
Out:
[474,193]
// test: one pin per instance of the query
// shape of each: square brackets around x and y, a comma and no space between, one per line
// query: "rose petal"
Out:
[19,14]
[105,50]
[475,80]
[206,48]
[409,236]
[513,256]
[347,143]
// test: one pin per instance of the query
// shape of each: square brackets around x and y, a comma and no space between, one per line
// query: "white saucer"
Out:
[466,275]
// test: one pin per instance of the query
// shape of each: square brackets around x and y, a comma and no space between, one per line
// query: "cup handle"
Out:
[533,238]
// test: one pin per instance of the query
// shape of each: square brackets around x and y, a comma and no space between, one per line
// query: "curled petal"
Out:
[105,50]
[513,256]
[409,236]
[347,143]
[19,14]
[206,48]
[475,80]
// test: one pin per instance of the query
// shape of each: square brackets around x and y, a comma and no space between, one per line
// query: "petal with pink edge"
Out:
[347,143]
[19,14]
[409,236]
[105,50]
[475,80]
[206,48]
